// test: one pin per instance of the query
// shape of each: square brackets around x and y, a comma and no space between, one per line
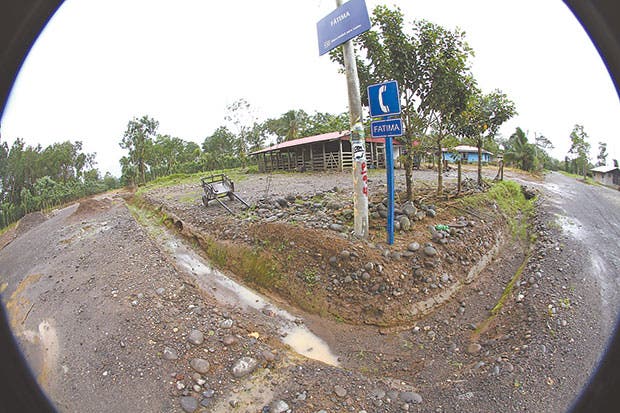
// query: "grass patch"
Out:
[189,199]
[502,300]
[7,228]
[508,289]
[509,198]
[588,180]
[146,218]
[236,175]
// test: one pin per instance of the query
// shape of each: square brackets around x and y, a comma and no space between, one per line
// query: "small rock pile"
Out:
[404,214]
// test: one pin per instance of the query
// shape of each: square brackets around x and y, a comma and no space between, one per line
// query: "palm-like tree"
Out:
[291,124]
[519,151]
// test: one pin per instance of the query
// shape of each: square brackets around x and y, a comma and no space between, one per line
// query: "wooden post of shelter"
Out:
[340,157]
[458,175]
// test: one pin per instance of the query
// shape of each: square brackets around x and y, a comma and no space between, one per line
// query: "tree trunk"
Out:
[408,163]
[479,164]
[585,170]
[439,169]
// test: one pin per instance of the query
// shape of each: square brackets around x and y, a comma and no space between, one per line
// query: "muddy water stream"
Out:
[226,290]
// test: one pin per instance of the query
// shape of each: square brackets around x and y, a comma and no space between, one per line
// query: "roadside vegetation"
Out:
[236,174]
[33,178]
[511,201]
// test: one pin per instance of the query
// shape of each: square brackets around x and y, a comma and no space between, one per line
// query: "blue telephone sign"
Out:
[383,99]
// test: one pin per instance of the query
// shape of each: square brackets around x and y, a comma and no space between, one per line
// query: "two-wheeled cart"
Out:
[219,186]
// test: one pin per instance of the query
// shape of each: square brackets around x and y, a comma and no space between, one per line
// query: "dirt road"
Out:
[110,320]
[591,215]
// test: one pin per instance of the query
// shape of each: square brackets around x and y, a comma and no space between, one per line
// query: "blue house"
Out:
[469,154]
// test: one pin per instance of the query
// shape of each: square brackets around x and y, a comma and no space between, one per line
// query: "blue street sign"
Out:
[383,128]
[389,170]
[344,23]
[383,99]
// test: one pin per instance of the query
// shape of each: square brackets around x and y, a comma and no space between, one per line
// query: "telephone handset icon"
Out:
[384,108]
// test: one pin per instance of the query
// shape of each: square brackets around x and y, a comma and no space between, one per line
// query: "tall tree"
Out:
[542,142]
[290,125]
[580,148]
[138,137]
[221,142]
[32,177]
[519,151]
[242,118]
[167,153]
[482,119]
[256,137]
[323,122]
[430,64]
[601,158]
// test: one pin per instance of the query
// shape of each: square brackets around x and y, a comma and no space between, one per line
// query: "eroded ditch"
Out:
[292,331]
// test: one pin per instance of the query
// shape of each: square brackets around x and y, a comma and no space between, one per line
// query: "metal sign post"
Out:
[384,101]
[389,170]
[339,27]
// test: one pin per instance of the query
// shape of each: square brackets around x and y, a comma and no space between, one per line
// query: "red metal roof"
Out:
[303,141]
[330,136]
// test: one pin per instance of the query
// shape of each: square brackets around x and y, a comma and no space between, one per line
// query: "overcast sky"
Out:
[99,63]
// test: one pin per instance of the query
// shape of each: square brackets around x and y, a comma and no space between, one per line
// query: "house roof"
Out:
[604,169]
[465,149]
[303,141]
[324,137]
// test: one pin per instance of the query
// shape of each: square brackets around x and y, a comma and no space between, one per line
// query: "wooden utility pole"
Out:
[358,142]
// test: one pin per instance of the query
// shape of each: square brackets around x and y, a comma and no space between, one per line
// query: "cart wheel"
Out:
[231,196]
[205,201]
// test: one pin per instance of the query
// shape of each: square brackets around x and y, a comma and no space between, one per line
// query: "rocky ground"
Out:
[111,322]
[306,229]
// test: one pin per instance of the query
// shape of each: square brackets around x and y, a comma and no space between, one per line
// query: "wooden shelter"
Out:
[328,151]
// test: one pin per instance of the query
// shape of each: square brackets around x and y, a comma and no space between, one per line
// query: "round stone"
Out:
[430,251]
[228,323]
[189,404]
[336,227]
[279,406]
[268,356]
[405,223]
[474,348]
[409,210]
[340,391]
[244,366]
[411,397]
[229,340]
[200,365]
[170,354]
[414,246]
[196,337]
